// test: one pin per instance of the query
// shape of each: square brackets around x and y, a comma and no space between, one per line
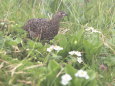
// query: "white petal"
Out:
[76,74]
[49,49]
[66,77]
[64,82]
[78,53]
[79,60]
[82,74]
[75,53]
[72,52]
[87,77]
[57,48]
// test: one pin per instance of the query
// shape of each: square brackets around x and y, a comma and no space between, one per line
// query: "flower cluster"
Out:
[92,30]
[58,48]
[54,47]
[78,54]
[65,79]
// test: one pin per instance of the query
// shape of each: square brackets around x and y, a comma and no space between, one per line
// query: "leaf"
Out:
[53,65]
[10,41]
[63,42]
[51,78]
[70,70]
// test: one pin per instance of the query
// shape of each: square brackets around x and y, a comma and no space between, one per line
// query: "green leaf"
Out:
[10,41]
[70,70]
[53,65]
[51,77]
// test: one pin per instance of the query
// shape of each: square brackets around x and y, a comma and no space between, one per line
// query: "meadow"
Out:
[82,54]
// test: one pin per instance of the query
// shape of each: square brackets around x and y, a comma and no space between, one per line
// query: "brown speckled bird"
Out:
[44,29]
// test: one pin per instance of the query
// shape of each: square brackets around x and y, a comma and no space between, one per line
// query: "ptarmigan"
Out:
[44,29]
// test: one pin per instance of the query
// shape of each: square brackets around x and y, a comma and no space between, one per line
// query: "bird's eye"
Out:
[61,13]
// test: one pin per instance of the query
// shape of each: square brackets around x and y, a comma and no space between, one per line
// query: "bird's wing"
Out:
[36,26]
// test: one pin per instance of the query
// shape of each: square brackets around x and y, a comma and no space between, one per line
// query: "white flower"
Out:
[82,74]
[58,48]
[75,53]
[49,49]
[79,59]
[78,53]
[72,52]
[65,79]
[54,47]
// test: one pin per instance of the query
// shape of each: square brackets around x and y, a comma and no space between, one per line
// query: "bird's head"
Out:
[59,15]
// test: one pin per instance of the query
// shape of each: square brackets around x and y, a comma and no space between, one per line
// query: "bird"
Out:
[44,29]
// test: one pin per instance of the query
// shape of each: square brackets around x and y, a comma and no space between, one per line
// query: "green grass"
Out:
[26,62]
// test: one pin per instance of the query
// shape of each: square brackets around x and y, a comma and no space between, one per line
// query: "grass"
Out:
[26,62]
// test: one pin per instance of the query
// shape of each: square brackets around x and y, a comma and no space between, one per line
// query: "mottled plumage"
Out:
[44,29]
